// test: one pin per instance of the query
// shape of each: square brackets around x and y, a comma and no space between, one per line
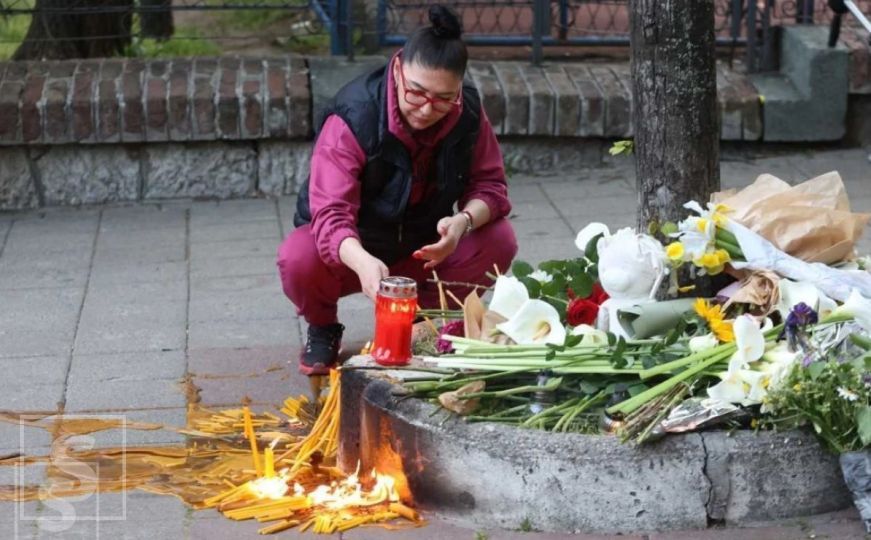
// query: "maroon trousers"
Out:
[315,289]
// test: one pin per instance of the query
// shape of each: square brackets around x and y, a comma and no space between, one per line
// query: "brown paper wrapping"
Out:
[811,221]
[480,323]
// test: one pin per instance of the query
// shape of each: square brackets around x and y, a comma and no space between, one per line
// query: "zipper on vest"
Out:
[400,233]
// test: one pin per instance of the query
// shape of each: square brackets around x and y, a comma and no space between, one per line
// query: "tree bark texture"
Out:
[62,29]
[155,19]
[675,114]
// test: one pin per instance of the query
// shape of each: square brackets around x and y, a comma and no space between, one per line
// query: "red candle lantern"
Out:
[395,308]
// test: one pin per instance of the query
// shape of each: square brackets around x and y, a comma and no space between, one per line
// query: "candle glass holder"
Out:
[395,309]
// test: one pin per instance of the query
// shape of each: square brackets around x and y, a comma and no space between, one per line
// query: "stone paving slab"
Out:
[121,395]
[210,251]
[245,297]
[132,366]
[231,211]
[35,370]
[127,437]
[269,390]
[121,272]
[239,334]
[139,256]
[15,438]
[243,362]
[204,268]
[43,397]
[131,324]
[223,232]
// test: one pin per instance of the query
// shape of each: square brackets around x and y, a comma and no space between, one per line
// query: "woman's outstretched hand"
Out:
[450,229]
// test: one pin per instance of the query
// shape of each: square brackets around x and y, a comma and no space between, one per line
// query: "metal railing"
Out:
[344,26]
[218,21]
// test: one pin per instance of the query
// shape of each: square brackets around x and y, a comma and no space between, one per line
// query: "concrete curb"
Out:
[496,476]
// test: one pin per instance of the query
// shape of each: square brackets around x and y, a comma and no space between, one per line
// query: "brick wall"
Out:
[132,100]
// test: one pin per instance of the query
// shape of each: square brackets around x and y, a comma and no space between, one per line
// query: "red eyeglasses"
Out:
[418,98]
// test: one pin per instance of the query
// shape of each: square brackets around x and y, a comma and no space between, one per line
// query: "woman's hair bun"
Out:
[445,23]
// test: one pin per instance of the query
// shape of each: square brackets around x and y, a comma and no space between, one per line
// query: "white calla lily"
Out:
[742,386]
[794,292]
[749,340]
[776,364]
[592,336]
[858,307]
[536,322]
[703,343]
[589,232]
[508,295]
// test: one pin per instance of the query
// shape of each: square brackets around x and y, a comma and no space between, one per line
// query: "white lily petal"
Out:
[748,338]
[508,295]
[793,292]
[592,336]
[780,354]
[695,244]
[588,233]
[728,390]
[859,308]
[535,322]
[703,343]
[694,206]
[756,381]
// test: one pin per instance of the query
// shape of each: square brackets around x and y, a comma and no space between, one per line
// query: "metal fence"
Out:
[346,25]
[217,21]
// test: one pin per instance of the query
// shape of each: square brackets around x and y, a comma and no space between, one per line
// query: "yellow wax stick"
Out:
[269,463]
[252,439]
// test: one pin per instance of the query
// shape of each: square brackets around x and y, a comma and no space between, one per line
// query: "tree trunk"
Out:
[87,29]
[155,19]
[674,87]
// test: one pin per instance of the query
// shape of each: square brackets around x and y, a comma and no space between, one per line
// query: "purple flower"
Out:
[454,328]
[794,328]
[801,314]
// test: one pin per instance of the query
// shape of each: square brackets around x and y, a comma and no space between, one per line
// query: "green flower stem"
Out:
[723,350]
[633,403]
[567,419]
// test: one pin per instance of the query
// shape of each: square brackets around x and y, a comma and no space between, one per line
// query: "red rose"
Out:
[582,311]
[598,295]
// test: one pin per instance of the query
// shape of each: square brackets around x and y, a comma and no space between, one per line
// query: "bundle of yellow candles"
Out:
[323,498]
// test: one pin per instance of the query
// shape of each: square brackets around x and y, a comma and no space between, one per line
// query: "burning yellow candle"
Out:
[269,463]
[252,439]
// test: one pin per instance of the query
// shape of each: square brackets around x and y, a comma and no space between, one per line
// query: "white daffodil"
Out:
[749,341]
[541,276]
[794,292]
[695,244]
[703,343]
[631,266]
[592,336]
[536,322]
[589,232]
[858,307]
[742,386]
[508,295]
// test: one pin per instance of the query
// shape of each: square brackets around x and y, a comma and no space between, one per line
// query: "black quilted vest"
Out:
[389,228]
